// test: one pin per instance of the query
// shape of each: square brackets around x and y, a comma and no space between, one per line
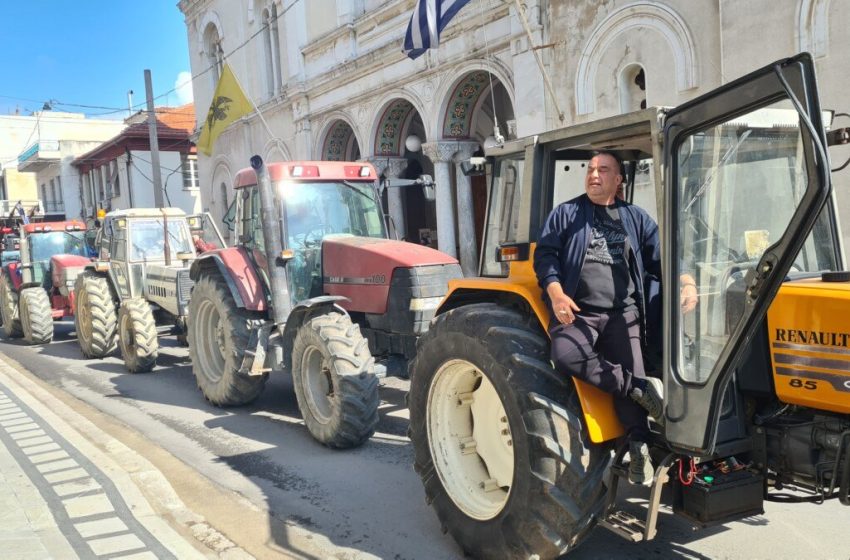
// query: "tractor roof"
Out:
[147,213]
[310,171]
[39,227]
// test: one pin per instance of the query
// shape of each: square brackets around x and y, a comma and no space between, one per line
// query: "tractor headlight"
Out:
[425,304]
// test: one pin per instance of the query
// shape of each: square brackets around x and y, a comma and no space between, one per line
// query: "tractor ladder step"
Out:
[628,525]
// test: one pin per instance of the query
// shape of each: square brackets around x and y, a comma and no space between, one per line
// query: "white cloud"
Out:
[183,87]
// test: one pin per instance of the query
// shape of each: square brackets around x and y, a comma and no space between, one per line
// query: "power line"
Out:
[192,78]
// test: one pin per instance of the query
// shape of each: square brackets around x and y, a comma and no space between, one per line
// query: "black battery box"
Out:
[721,498]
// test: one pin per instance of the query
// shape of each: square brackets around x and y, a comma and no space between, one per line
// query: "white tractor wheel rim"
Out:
[318,386]
[470,439]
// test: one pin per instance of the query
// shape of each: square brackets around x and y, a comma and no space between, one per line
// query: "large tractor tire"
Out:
[9,309]
[137,337]
[498,437]
[36,316]
[95,317]
[336,388]
[218,337]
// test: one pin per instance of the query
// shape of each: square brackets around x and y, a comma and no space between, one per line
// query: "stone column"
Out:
[440,153]
[392,167]
[465,216]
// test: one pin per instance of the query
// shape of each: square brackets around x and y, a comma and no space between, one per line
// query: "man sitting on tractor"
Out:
[592,260]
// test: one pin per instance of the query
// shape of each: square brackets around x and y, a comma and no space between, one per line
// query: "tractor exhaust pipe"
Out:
[273,237]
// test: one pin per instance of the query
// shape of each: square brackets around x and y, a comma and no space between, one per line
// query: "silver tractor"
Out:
[138,282]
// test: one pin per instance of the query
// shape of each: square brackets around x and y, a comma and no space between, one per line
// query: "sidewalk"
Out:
[68,490]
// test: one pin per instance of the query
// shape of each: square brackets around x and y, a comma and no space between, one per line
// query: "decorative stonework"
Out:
[440,151]
[391,126]
[461,105]
[813,26]
[340,143]
[639,16]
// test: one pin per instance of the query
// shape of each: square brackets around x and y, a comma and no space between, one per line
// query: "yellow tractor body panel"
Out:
[598,406]
[809,333]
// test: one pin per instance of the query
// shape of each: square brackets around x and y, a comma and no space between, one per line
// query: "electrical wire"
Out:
[192,78]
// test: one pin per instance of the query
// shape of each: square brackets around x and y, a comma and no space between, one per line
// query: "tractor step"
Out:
[625,524]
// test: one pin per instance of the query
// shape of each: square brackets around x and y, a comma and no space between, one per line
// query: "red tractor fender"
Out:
[239,273]
[13,272]
[60,263]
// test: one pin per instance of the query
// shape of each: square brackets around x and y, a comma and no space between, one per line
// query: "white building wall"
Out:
[351,68]
[141,180]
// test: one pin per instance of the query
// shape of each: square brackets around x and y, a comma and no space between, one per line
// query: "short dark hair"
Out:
[617,158]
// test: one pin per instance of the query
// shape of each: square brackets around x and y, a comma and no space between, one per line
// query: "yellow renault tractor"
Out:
[519,460]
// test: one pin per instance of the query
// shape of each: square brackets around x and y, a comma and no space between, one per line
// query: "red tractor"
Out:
[314,286]
[39,288]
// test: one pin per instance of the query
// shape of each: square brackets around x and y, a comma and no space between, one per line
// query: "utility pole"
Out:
[158,199]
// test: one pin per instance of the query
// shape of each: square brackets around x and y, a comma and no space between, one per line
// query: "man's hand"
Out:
[563,305]
[688,297]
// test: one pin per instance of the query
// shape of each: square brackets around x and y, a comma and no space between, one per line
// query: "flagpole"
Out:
[277,140]
[539,60]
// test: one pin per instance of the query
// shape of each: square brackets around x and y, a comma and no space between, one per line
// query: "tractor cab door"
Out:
[747,180]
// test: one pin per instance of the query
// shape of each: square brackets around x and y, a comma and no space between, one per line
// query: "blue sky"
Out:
[90,52]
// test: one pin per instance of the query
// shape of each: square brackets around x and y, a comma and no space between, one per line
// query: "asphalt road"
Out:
[256,474]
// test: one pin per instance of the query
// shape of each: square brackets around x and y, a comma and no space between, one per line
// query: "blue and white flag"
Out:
[429,19]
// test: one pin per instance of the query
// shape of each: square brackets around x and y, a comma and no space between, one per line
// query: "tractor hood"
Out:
[362,268]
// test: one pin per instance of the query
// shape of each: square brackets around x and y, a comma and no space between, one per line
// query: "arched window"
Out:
[275,38]
[271,47]
[632,88]
[224,202]
[268,53]
[214,52]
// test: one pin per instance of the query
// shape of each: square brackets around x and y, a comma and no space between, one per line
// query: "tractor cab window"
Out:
[503,216]
[740,182]
[148,237]
[59,242]
[314,210]
[252,220]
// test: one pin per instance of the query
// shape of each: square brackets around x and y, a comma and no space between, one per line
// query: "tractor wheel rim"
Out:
[318,385]
[83,317]
[210,341]
[24,313]
[128,340]
[470,439]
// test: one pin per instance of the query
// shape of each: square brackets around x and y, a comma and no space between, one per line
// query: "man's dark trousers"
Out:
[603,349]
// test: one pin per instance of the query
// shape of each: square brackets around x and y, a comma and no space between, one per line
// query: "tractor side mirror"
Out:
[474,167]
[429,190]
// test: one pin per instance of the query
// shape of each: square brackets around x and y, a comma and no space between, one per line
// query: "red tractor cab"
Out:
[38,289]
[313,285]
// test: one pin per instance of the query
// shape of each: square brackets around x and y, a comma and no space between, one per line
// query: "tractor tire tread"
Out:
[562,474]
[137,312]
[36,316]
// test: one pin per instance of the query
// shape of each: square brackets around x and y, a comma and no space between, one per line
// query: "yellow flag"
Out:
[228,104]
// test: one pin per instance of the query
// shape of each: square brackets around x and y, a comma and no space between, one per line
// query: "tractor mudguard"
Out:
[239,274]
[303,308]
[521,286]
[13,272]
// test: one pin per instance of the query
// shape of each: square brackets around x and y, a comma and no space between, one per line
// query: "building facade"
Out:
[118,173]
[42,146]
[331,82]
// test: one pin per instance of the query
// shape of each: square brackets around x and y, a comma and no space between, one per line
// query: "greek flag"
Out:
[429,19]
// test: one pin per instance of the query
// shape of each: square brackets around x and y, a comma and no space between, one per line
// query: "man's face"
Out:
[603,179]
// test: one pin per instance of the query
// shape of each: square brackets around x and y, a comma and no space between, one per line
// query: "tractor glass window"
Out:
[60,242]
[314,210]
[119,241]
[147,238]
[739,185]
[503,216]
[254,211]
